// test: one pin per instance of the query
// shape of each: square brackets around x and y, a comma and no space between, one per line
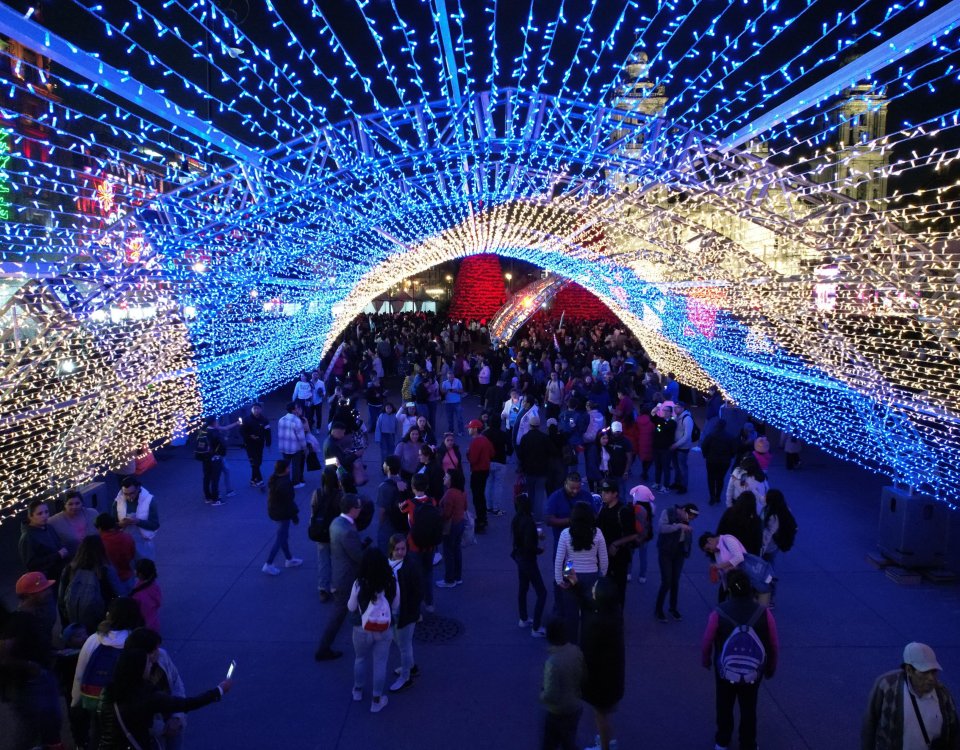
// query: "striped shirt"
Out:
[593,560]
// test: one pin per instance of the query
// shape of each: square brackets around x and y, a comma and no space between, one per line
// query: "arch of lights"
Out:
[832,318]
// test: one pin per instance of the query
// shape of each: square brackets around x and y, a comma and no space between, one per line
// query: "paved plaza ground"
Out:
[841,622]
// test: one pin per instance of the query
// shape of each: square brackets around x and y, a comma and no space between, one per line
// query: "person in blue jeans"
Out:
[452,391]
[674,539]
[282,508]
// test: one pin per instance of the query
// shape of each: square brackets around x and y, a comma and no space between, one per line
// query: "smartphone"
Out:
[239,420]
[233,666]
[567,569]
[330,462]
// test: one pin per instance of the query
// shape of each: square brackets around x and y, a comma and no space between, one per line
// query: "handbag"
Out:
[144,463]
[318,530]
[313,461]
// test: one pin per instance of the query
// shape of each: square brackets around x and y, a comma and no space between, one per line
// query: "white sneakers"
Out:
[273,570]
[538,632]
[378,704]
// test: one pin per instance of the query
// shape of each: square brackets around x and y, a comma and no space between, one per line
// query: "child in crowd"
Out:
[147,593]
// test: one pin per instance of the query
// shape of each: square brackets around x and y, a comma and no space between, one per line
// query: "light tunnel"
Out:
[257,294]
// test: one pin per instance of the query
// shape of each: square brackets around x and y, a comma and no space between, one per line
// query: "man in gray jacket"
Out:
[346,550]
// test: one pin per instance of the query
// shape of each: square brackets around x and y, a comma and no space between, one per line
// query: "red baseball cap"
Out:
[33,583]
[474,424]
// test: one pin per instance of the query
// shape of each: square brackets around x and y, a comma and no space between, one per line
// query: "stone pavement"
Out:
[841,624]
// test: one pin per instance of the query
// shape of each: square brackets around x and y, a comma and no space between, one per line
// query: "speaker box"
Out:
[913,529]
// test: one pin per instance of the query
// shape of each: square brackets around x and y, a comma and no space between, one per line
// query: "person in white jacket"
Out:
[123,616]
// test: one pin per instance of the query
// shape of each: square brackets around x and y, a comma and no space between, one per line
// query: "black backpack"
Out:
[786,532]
[202,450]
[427,529]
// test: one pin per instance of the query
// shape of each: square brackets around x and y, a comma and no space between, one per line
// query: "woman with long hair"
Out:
[741,520]
[527,544]
[409,581]
[427,433]
[88,584]
[602,643]
[776,516]
[583,549]
[748,477]
[408,451]
[449,453]
[132,699]
[373,598]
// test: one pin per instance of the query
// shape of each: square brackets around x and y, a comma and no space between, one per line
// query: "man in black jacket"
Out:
[534,454]
[255,431]
[718,450]
[615,520]
[211,450]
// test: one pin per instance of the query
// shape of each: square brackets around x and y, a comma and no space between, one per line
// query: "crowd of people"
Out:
[85,638]
[595,435]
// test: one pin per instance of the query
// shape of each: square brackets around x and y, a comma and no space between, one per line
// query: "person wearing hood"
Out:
[135,511]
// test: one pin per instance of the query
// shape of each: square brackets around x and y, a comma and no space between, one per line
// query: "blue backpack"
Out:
[97,675]
[743,655]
